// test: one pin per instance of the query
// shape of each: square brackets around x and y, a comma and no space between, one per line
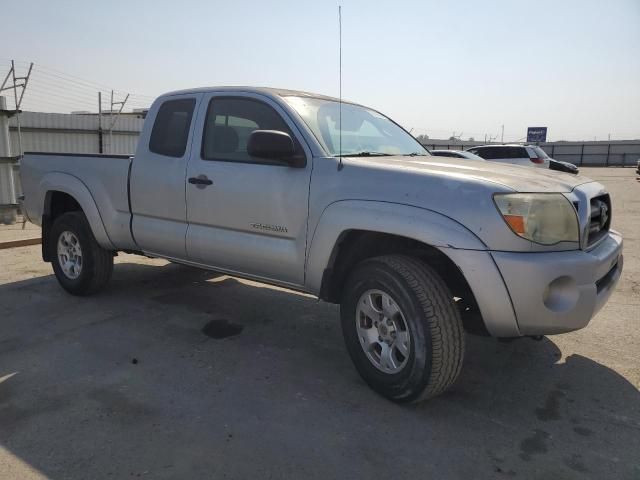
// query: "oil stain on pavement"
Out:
[221,328]
[534,445]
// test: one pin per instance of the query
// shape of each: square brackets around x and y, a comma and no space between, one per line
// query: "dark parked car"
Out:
[563,166]
[527,155]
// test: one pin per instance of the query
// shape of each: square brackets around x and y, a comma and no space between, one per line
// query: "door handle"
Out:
[201,181]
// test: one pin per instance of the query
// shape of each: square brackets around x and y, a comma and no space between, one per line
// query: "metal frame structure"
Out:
[17,100]
[114,119]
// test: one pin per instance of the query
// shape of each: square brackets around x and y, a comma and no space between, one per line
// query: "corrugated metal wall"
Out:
[63,133]
[71,133]
[73,142]
[595,153]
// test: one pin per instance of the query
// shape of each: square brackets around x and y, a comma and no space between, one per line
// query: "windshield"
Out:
[365,132]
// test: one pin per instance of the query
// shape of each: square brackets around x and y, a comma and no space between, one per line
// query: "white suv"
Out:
[528,155]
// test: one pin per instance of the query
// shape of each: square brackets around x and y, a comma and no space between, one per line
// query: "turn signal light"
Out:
[516,222]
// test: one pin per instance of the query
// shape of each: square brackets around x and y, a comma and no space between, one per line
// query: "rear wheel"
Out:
[80,264]
[402,328]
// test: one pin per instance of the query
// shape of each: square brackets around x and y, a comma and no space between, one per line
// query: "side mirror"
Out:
[274,145]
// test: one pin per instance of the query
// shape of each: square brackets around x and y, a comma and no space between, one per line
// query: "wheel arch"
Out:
[351,231]
[65,193]
[355,246]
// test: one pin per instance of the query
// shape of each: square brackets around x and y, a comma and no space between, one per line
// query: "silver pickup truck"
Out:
[335,199]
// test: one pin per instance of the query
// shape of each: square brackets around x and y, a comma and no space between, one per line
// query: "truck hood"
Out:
[516,177]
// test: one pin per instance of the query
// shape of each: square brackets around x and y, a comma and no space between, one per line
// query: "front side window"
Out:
[486,152]
[230,122]
[364,131]
[171,127]
[514,152]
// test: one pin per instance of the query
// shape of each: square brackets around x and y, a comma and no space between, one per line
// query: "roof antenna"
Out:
[340,85]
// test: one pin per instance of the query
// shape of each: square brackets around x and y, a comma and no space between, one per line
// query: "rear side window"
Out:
[230,122]
[171,128]
[511,152]
[496,153]
[443,154]
[447,154]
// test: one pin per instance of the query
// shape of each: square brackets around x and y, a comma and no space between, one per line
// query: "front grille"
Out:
[599,219]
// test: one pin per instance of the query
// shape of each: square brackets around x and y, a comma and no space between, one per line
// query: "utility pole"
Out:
[502,135]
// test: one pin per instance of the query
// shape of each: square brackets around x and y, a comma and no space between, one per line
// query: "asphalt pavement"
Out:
[173,372]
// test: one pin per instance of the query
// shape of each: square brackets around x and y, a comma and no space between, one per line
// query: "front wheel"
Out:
[402,328]
[80,264]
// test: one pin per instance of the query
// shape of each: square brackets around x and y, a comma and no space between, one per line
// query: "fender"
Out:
[63,182]
[420,224]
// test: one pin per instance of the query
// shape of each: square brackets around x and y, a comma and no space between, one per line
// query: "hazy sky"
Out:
[436,67]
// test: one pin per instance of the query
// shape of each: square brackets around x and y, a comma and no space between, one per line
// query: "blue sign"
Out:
[537,134]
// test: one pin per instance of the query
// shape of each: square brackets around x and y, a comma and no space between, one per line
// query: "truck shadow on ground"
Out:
[126,382]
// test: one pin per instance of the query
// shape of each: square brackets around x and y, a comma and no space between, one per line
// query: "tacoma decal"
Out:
[270,228]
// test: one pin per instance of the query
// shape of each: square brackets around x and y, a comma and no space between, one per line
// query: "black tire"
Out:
[97,263]
[433,320]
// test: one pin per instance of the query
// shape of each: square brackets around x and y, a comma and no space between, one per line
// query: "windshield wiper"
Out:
[365,154]
[415,154]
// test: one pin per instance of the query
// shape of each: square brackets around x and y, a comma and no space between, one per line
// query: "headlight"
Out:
[545,218]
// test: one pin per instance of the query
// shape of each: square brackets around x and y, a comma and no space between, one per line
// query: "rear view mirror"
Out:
[274,145]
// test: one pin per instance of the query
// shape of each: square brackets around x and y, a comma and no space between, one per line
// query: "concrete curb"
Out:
[20,243]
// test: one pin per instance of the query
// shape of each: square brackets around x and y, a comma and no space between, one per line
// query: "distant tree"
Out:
[422,138]
[471,139]
[453,138]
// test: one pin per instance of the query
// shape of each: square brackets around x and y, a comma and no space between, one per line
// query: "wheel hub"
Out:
[383,331]
[386,331]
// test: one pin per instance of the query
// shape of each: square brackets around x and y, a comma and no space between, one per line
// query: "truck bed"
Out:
[104,179]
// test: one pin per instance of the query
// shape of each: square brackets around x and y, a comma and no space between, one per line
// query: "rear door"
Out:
[245,214]
[157,182]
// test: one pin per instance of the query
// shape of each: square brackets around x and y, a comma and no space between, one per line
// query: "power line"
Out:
[53,89]
[89,83]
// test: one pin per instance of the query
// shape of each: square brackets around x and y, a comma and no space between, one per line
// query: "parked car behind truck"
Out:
[456,154]
[263,184]
[526,155]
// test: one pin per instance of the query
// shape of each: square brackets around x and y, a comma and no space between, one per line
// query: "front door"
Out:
[246,215]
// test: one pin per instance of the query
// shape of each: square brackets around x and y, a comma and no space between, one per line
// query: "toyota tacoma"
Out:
[335,199]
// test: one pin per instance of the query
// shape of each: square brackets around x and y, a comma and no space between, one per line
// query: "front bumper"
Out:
[556,292]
